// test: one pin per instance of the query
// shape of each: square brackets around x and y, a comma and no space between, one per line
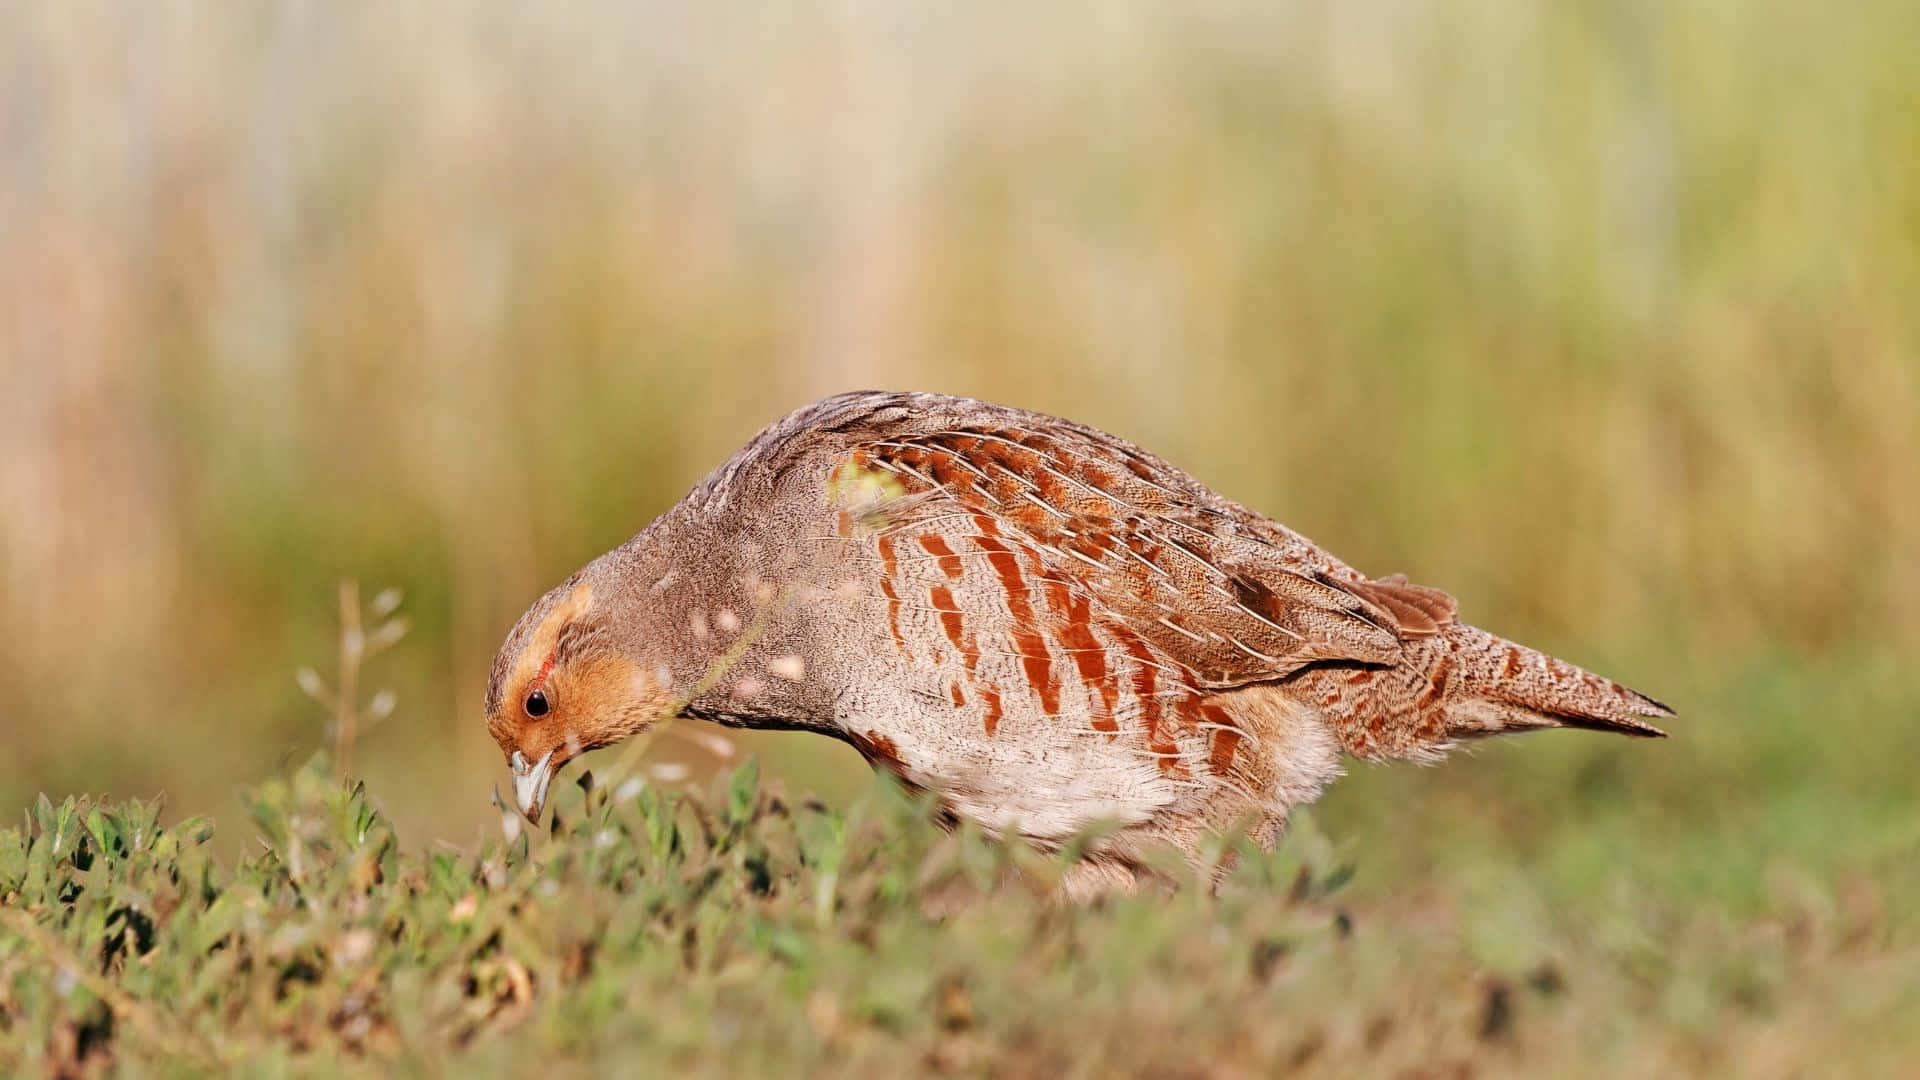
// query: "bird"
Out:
[1045,626]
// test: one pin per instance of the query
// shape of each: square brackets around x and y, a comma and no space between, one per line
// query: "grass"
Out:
[740,930]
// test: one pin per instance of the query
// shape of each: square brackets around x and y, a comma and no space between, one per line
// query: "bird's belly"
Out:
[1007,764]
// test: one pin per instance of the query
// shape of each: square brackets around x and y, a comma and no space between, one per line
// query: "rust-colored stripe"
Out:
[888,566]
[877,749]
[1059,597]
[1035,661]
[942,469]
[953,622]
[1017,460]
[938,547]
[1436,684]
[1146,550]
[1000,556]
[1033,656]
[1513,663]
[1047,486]
[1145,685]
[1030,518]
[1139,469]
[1100,479]
[1089,658]
[1360,676]
[1039,671]
[986,525]
[992,698]
[1187,711]
[959,699]
[1095,544]
[1226,743]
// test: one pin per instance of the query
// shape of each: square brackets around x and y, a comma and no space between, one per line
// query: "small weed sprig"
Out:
[357,646]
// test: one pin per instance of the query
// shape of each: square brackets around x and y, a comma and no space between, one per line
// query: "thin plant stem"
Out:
[353,643]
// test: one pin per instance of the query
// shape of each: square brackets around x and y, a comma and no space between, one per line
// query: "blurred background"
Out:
[1602,316]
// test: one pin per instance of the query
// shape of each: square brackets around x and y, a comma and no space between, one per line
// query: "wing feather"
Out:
[1232,596]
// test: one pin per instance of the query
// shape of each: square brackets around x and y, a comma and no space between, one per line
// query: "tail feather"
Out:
[1465,683]
[1532,686]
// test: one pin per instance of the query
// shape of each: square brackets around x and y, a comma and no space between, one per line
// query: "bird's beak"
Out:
[530,780]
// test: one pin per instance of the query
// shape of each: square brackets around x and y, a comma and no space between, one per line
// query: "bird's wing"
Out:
[1233,597]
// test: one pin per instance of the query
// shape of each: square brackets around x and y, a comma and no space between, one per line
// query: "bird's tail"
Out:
[1462,683]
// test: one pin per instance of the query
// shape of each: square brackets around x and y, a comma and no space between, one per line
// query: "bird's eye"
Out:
[537,704]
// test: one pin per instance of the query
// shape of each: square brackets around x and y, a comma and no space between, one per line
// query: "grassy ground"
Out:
[740,930]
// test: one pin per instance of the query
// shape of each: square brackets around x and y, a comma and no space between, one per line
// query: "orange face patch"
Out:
[597,696]
[605,699]
[533,668]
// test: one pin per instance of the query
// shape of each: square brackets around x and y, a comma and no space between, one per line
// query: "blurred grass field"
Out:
[1601,316]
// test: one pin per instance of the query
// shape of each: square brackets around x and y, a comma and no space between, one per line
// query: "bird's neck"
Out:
[728,638]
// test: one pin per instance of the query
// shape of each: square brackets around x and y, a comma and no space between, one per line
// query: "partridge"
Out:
[1042,624]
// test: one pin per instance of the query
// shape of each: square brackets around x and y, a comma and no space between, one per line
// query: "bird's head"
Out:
[565,683]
